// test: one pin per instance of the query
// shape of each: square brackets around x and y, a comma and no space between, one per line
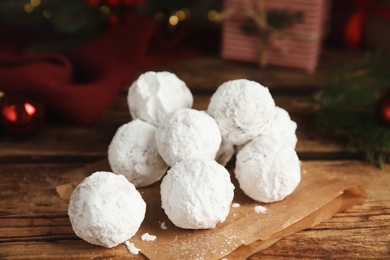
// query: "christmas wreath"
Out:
[355,103]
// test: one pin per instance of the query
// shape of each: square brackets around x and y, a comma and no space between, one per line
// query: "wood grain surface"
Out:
[34,222]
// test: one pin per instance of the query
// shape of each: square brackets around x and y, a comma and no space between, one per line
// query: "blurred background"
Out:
[54,25]
[75,55]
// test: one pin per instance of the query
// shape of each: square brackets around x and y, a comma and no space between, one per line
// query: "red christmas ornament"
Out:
[383,109]
[21,115]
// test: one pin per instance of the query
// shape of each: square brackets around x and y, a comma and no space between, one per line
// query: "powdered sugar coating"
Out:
[155,94]
[187,133]
[243,110]
[260,209]
[105,209]
[133,153]
[225,153]
[236,205]
[148,237]
[197,194]
[267,171]
[283,128]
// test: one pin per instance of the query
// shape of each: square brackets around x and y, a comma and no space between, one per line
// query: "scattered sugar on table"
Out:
[148,237]
[163,225]
[236,205]
[260,209]
[132,248]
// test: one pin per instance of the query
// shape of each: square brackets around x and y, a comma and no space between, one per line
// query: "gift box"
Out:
[296,44]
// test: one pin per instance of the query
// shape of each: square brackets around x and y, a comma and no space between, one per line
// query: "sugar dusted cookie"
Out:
[133,153]
[243,110]
[197,194]
[155,94]
[225,153]
[267,170]
[105,209]
[187,133]
[283,128]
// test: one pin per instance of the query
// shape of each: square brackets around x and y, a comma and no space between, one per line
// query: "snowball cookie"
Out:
[105,209]
[133,153]
[266,170]
[155,94]
[283,128]
[197,193]
[225,152]
[188,133]
[243,110]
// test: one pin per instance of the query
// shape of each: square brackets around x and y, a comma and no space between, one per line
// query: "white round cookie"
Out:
[155,94]
[105,209]
[267,171]
[243,110]
[283,128]
[133,153]
[197,194]
[187,133]
[225,153]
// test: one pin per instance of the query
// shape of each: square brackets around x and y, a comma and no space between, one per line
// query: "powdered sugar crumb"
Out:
[260,209]
[236,205]
[131,247]
[163,225]
[148,237]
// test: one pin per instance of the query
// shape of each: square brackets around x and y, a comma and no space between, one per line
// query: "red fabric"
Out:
[80,86]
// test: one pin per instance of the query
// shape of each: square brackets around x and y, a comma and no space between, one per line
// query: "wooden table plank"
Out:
[63,249]
[33,218]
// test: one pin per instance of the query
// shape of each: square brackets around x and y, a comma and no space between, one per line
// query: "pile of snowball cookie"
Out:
[166,133]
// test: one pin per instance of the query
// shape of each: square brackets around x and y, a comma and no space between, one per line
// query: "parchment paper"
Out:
[245,232]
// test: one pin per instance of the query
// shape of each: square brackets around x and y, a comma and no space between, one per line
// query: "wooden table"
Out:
[34,222]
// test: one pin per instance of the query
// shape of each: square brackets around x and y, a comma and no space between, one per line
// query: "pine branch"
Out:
[348,102]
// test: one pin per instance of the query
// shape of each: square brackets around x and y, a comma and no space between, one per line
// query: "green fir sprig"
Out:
[348,105]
